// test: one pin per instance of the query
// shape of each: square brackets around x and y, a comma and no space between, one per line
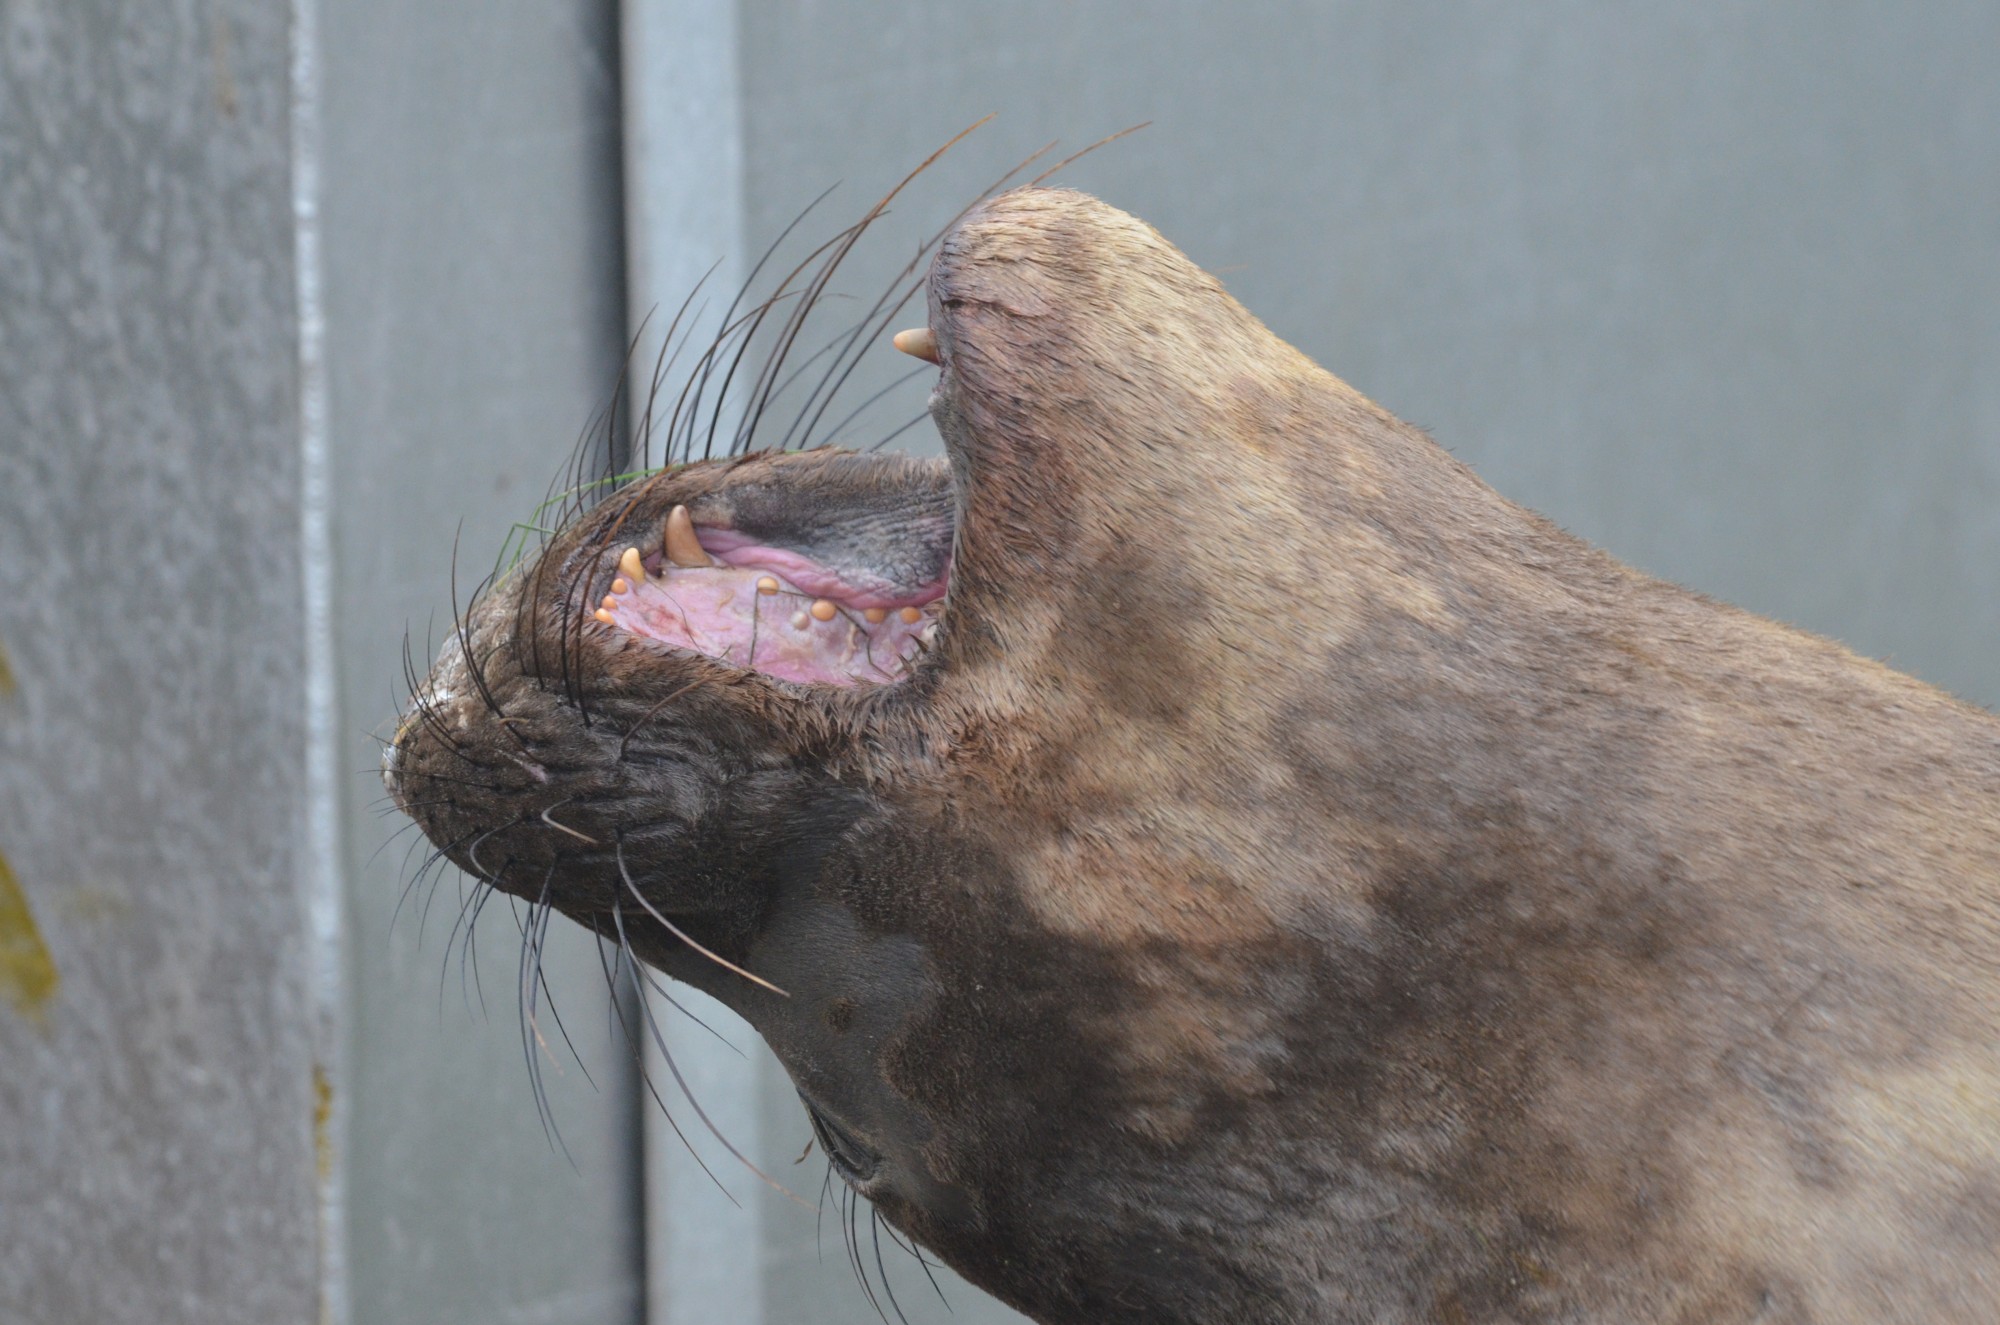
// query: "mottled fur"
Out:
[1302,885]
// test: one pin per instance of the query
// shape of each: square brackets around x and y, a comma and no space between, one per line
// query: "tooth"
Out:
[635,569]
[603,615]
[917,342]
[609,603]
[766,585]
[910,616]
[823,609]
[683,548]
[800,621]
[875,615]
[620,586]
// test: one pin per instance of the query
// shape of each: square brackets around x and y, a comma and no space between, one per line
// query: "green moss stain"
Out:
[6,674]
[27,974]
[322,1120]
[322,1132]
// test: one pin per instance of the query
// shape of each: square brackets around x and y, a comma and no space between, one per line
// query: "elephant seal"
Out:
[1203,856]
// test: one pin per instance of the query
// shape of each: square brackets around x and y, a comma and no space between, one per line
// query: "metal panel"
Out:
[158,1094]
[684,229]
[474,323]
[724,1246]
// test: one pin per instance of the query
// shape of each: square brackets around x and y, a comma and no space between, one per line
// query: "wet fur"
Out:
[1301,885]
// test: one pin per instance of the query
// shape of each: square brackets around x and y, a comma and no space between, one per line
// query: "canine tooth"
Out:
[635,569]
[683,548]
[911,616]
[875,615]
[766,585]
[604,615]
[917,342]
[823,609]
[800,621]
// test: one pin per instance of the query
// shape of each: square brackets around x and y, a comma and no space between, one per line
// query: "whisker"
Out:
[565,828]
[882,1270]
[858,410]
[1083,152]
[555,1013]
[900,431]
[660,1042]
[637,1046]
[469,946]
[618,850]
[525,999]
[437,854]
[653,984]
[626,741]
[474,670]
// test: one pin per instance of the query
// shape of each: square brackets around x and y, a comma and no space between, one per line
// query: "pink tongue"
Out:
[718,611]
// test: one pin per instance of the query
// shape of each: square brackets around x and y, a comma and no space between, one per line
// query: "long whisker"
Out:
[565,828]
[637,1045]
[618,850]
[882,1270]
[660,1042]
[526,990]
[1080,153]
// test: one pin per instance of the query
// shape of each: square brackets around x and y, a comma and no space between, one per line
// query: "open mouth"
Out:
[751,610]
[778,610]
[814,573]
[821,567]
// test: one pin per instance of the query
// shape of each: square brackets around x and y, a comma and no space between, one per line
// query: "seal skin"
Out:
[1297,884]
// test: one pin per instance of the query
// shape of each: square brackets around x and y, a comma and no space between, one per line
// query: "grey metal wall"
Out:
[474,324]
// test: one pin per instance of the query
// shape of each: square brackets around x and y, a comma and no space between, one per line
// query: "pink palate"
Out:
[717,611]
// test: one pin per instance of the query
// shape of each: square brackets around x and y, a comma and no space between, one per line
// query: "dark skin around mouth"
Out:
[1204,856]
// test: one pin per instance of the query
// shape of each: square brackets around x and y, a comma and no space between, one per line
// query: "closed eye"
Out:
[855,1163]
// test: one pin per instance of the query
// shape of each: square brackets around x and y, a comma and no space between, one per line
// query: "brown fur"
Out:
[1302,886]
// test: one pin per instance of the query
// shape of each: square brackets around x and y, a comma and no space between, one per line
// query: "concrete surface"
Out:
[158,1100]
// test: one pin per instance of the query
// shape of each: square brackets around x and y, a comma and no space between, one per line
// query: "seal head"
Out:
[1204,856]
